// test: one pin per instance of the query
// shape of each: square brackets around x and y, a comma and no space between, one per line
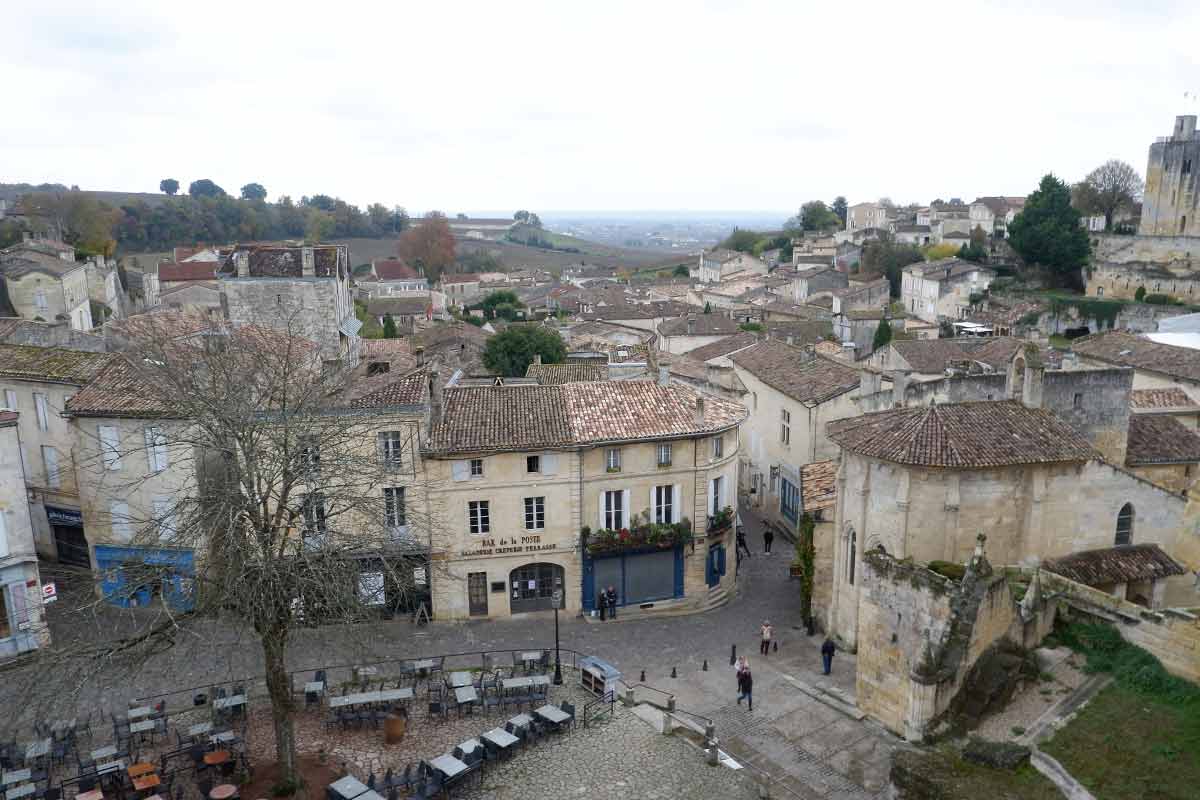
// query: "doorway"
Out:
[477,593]
[533,587]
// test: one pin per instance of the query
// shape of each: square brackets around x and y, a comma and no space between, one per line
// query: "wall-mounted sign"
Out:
[49,593]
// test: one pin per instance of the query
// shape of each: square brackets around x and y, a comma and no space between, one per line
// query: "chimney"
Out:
[899,387]
[420,356]
[537,358]
[308,262]
[664,376]
[241,260]
[791,339]
[691,324]
[435,397]
[700,411]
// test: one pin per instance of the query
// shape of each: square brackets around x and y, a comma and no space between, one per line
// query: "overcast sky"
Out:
[605,105]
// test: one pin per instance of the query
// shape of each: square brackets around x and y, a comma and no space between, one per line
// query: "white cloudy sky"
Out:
[598,105]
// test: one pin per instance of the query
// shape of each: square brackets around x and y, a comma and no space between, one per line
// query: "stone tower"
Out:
[1170,206]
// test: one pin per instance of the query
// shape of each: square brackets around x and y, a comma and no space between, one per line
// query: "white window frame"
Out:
[476,467]
[39,299]
[614,509]
[10,399]
[535,513]
[391,448]
[120,522]
[479,517]
[50,461]
[785,426]
[664,502]
[664,454]
[395,507]
[41,405]
[718,447]
[110,446]
[612,459]
[156,448]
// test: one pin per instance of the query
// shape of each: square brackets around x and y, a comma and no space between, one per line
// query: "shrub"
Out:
[1140,294]
[948,569]
[1157,299]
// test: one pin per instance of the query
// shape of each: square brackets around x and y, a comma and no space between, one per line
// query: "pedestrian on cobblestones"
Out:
[742,666]
[768,538]
[746,685]
[602,603]
[612,602]
[827,651]
[765,632]
[741,543]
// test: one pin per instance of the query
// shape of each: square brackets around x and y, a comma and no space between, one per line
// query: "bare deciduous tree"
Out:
[1111,187]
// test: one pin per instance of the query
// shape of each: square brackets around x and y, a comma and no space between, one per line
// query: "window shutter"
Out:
[721,494]
[654,504]
[151,461]
[601,525]
[676,503]
[549,463]
[460,470]
[43,417]
[119,516]
[10,399]
[625,508]
[110,448]
[20,602]
[3,536]
[50,456]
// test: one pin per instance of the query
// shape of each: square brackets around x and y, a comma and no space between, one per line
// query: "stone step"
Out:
[831,696]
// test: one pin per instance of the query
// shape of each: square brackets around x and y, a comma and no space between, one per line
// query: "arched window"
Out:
[1125,525]
[853,548]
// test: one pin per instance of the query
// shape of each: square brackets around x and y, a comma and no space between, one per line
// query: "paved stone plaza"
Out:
[804,745]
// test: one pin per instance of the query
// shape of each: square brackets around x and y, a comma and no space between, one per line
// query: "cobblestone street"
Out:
[812,749]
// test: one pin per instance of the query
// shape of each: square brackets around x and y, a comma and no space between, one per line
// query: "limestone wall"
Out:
[1160,250]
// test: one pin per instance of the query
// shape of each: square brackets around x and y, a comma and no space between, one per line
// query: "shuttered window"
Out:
[110,447]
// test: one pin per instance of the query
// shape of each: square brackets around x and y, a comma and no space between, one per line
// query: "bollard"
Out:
[710,733]
[711,752]
[733,655]
[775,646]
[705,667]
[643,678]
[628,698]
[672,672]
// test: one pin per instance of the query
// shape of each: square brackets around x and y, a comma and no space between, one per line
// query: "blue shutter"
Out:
[721,560]
[679,570]
[589,583]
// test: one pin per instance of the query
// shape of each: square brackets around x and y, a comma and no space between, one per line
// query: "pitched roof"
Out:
[946,269]
[398,306]
[383,348]
[702,325]
[934,355]
[118,391]
[393,269]
[378,391]
[963,435]
[1172,398]
[818,485]
[570,372]
[803,376]
[1129,350]
[1160,439]
[50,364]
[466,277]
[187,271]
[524,417]
[1126,564]
[16,266]
[723,346]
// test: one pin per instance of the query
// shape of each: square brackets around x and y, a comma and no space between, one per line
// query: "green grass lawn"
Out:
[1127,746]
[951,775]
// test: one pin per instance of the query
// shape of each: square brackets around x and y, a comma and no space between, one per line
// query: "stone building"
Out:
[1169,203]
[720,265]
[809,282]
[37,382]
[866,215]
[305,289]
[942,290]
[1043,473]
[579,486]
[42,281]
[22,620]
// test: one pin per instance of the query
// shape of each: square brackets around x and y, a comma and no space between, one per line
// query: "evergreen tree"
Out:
[1048,232]
[883,335]
[389,327]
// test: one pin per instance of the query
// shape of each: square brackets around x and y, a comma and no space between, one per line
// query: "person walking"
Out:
[765,633]
[612,602]
[741,542]
[768,538]
[827,651]
[746,686]
[602,603]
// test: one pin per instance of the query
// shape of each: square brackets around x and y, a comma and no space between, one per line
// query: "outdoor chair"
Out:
[569,708]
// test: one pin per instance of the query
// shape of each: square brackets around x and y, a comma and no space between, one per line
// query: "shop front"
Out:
[69,540]
[638,576]
[18,614]
[135,576]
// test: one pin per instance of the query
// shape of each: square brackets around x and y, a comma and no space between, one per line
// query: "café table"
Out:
[229,702]
[388,695]
[465,695]
[470,745]
[145,782]
[348,787]
[15,776]
[17,792]
[501,738]
[140,711]
[94,794]
[37,749]
[369,794]
[539,680]
[225,791]
[216,757]
[448,765]
[460,679]
[530,658]
[224,737]
[314,687]
[139,769]
[521,721]
[552,714]
[516,683]
[199,729]
[101,753]
[109,767]
[145,726]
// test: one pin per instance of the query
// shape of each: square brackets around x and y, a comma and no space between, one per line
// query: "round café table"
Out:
[226,791]
[216,757]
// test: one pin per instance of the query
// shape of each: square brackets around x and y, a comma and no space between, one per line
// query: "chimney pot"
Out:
[699,410]
[664,376]
[308,262]
[691,325]
[241,260]
[537,358]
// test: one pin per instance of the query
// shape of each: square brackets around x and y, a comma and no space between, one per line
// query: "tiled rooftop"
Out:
[702,325]
[50,364]
[806,377]
[118,391]
[570,372]
[1160,439]
[1128,564]
[818,485]
[1129,350]
[723,347]
[963,435]
[1161,399]
[380,391]
[524,417]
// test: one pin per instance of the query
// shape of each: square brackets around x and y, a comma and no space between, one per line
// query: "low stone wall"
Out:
[1173,637]
[1151,249]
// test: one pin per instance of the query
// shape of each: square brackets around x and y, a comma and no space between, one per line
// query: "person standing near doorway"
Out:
[765,633]
[746,686]
[612,602]
[827,651]
[768,538]
[741,542]
[602,604]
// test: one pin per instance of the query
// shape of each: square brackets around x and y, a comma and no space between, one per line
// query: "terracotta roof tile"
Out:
[393,269]
[616,410]
[491,418]
[390,390]
[963,435]
[702,325]
[1138,562]
[187,271]
[724,346]
[570,372]
[1128,350]
[1156,399]
[118,391]
[818,485]
[1160,439]
[50,364]
[802,376]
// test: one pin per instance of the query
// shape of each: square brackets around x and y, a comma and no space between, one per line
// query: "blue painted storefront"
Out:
[621,566]
[119,586]
[714,565]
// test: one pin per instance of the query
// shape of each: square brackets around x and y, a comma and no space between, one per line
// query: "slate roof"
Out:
[118,391]
[570,372]
[723,346]
[529,417]
[1160,439]
[1129,350]
[1173,398]
[702,325]
[806,377]
[963,435]
[818,485]
[50,364]
[1137,562]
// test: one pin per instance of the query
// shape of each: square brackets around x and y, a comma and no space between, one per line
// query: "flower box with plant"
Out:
[640,535]
[720,522]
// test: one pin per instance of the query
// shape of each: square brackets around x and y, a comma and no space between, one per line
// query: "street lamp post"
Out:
[558,596]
